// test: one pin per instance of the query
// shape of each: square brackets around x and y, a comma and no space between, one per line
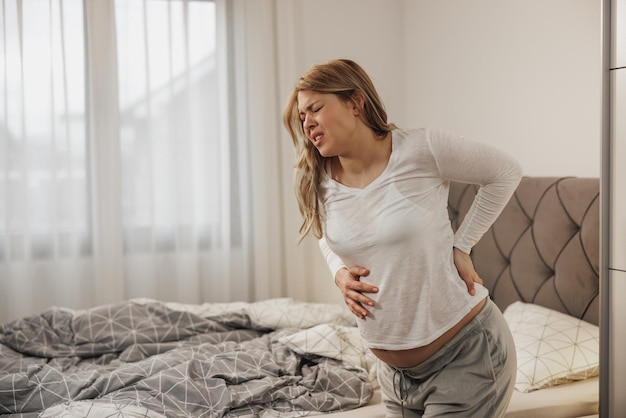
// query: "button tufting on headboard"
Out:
[544,247]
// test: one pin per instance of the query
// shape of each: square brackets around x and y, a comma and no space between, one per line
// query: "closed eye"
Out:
[309,108]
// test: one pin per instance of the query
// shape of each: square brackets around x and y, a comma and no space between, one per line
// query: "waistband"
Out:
[439,359]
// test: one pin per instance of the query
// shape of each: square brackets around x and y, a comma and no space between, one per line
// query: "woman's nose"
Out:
[309,121]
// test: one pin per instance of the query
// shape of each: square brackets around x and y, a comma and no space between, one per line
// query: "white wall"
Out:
[522,75]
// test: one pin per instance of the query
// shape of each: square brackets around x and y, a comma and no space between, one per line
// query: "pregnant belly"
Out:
[413,356]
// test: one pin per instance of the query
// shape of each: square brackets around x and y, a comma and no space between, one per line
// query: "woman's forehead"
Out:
[306,98]
[306,95]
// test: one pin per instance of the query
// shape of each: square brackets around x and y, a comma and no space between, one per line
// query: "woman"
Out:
[376,198]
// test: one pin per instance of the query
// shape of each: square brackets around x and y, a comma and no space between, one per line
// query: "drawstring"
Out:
[401,389]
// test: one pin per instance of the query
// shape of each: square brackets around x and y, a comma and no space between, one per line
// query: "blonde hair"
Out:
[347,80]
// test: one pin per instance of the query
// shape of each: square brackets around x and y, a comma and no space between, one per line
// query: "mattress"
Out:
[576,399]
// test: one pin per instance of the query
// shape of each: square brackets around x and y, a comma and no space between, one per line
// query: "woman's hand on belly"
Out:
[353,290]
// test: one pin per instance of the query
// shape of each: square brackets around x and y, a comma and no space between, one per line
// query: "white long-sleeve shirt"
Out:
[398,227]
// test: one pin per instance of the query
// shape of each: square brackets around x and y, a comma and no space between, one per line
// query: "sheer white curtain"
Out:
[125,166]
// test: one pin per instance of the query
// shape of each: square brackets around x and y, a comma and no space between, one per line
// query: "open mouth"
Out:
[317,139]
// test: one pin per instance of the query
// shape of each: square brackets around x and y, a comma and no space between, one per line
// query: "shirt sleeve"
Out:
[333,261]
[468,161]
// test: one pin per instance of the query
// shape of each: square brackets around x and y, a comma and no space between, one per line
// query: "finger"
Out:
[363,300]
[359,298]
[357,309]
[363,287]
[469,282]
[471,289]
[358,271]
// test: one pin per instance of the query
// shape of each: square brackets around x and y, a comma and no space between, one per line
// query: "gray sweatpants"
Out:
[473,375]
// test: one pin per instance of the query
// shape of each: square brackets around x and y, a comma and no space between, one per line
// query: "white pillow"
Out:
[552,347]
[291,313]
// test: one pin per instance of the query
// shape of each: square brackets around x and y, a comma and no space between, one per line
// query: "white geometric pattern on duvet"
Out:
[338,342]
[552,347]
[146,358]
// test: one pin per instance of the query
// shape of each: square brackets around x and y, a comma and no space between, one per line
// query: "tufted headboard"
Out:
[544,246]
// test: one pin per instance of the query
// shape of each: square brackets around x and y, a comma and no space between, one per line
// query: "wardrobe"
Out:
[613,284]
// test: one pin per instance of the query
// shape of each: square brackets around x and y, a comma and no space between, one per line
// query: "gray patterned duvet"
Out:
[143,358]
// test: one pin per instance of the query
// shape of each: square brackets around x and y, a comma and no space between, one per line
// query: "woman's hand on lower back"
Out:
[348,280]
[465,267]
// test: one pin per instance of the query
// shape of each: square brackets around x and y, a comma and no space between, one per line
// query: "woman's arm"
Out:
[467,161]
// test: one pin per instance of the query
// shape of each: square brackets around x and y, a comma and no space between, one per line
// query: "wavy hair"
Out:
[343,78]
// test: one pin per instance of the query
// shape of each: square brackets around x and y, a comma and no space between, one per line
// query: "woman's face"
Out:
[327,121]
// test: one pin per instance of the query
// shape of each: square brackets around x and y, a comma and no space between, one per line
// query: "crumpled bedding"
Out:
[144,358]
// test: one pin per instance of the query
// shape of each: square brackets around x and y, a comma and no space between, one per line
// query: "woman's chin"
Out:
[324,152]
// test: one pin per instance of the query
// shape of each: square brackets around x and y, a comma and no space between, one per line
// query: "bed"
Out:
[289,358]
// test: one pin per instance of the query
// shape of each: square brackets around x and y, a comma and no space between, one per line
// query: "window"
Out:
[43,163]
[169,129]
[169,123]
[118,175]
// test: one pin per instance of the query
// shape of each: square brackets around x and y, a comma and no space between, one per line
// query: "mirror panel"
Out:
[617,257]
[618,29]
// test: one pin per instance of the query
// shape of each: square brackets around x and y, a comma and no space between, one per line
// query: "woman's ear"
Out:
[358,102]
